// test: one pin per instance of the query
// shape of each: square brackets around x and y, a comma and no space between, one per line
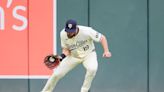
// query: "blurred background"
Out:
[134,30]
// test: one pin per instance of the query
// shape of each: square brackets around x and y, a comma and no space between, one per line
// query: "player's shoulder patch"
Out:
[97,34]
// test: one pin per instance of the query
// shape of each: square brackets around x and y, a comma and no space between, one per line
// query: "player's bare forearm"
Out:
[104,44]
[65,51]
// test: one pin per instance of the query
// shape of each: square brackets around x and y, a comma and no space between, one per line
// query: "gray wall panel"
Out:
[156,46]
[124,24]
[14,85]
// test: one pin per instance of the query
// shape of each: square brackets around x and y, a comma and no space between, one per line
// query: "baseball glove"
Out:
[52,61]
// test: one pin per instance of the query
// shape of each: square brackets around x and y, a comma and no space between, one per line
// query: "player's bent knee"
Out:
[92,71]
[58,75]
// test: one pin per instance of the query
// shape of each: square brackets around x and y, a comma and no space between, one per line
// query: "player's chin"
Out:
[70,36]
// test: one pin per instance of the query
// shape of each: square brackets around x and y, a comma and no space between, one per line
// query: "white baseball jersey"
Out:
[81,44]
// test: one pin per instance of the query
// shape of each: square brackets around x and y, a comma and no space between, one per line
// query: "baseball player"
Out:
[77,44]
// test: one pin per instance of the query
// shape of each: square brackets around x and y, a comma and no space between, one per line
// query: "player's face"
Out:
[71,34]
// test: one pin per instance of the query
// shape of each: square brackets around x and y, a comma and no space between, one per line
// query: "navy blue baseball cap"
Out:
[70,26]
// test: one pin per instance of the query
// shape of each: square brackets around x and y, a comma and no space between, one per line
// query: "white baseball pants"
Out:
[90,64]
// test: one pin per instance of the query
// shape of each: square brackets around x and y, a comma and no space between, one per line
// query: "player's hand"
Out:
[107,54]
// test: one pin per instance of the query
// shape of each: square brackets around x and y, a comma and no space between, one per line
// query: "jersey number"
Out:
[86,47]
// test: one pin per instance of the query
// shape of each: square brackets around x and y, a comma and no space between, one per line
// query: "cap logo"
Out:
[70,26]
